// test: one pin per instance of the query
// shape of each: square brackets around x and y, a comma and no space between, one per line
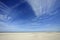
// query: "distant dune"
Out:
[30,36]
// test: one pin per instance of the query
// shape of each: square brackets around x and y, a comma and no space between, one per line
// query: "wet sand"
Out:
[30,36]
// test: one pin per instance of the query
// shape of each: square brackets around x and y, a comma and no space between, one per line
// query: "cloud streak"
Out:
[41,6]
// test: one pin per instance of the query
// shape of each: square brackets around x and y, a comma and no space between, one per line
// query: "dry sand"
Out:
[30,36]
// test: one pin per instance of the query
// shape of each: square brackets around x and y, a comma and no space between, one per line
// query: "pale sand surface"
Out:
[30,36]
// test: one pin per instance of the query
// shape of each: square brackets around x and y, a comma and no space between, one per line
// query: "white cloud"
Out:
[41,6]
[28,27]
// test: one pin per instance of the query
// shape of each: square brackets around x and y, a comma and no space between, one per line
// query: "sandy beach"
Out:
[30,36]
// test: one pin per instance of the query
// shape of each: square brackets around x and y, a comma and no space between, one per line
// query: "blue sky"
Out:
[29,15]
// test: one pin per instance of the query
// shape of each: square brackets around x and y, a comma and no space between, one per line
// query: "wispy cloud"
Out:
[41,6]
